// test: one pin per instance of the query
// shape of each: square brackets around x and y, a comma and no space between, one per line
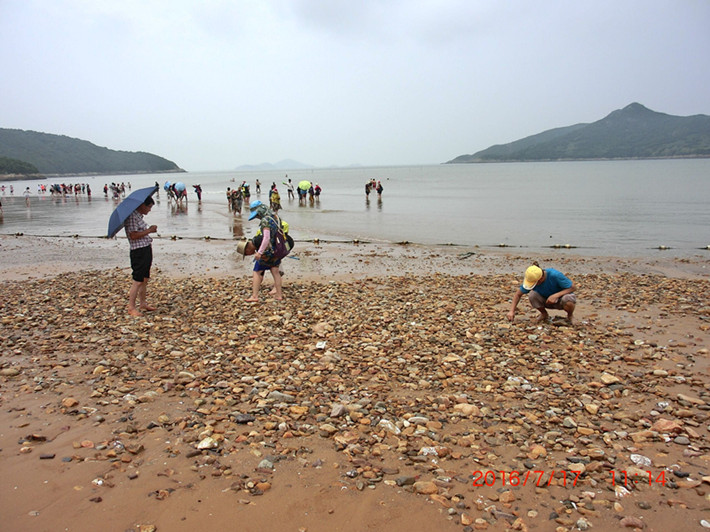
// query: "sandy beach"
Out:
[386,392]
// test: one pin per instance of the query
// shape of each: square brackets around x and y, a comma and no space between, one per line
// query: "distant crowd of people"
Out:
[54,189]
[241,194]
[118,190]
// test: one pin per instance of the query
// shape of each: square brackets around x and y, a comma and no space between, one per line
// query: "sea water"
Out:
[611,208]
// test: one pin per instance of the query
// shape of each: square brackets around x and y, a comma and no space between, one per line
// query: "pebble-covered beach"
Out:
[386,392]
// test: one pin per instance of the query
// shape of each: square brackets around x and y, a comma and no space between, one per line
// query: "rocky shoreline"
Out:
[386,392]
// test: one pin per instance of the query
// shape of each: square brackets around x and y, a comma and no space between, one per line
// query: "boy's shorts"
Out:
[141,261]
[262,267]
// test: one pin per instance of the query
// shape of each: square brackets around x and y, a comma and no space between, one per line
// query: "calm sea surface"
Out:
[623,208]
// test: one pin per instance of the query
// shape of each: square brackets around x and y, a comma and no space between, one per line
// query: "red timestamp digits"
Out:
[522,478]
[622,478]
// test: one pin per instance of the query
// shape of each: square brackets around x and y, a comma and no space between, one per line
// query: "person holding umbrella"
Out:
[303,187]
[141,244]
[129,214]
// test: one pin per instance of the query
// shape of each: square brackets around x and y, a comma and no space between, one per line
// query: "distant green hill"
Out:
[59,154]
[634,132]
[13,166]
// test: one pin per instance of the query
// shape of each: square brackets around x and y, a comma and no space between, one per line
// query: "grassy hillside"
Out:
[59,154]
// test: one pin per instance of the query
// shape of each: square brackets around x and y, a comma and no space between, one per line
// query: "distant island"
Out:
[286,164]
[33,154]
[634,132]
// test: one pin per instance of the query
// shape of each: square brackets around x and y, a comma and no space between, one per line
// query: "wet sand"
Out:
[385,385]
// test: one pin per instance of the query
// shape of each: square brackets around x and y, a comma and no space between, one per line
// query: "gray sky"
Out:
[214,84]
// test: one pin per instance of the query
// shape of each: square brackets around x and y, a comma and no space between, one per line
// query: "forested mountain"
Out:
[13,166]
[59,154]
[634,132]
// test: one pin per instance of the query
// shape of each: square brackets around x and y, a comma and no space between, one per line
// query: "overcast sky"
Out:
[214,84]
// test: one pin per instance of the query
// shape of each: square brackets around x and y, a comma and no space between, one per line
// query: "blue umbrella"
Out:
[179,186]
[121,213]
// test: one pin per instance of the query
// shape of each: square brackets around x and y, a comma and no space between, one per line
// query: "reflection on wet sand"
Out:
[237,228]
[177,209]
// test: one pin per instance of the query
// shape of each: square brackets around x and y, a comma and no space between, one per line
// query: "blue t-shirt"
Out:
[554,282]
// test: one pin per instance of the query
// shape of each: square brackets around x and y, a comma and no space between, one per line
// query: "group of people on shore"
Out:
[546,288]
[237,196]
[54,189]
[60,189]
[311,191]
[118,190]
[269,246]
[373,184]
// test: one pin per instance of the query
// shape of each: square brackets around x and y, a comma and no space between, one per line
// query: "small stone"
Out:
[667,425]
[327,430]
[569,423]
[265,464]
[69,402]
[243,419]
[632,522]
[134,448]
[389,426]
[641,460]
[536,451]
[689,399]
[583,524]
[507,497]
[467,410]
[337,410]
[608,378]
[425,488]
[405,481]
[263,486]
[208,443]
[281,397]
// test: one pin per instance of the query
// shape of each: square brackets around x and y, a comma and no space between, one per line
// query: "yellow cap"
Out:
[532,275]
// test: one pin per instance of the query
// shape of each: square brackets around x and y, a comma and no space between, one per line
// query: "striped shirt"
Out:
[134,223]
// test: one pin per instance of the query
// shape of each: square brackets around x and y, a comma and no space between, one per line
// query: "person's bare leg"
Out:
[278,295]
[143,298]
[256,279]
[538,303]
[569,309]
[132,295]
